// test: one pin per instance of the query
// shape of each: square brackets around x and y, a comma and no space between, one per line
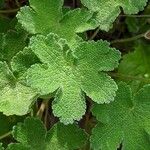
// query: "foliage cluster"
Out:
[74,75]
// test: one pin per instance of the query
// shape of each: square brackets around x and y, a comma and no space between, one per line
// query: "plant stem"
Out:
[42,108]
[5,135]
[128,39]
[94,34]
[74,3]
[136,16]
[9,11]
[17,3]
[46,115]
[118,75]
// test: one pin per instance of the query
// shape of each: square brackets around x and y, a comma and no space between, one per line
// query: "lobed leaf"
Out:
[22,61]
[15,97]
[47,16]
[123,121]
[32,135]
[108,10]
[72,73]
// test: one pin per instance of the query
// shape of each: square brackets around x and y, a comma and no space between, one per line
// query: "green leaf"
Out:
[135,66]
[32,135]
[4,24]
[2,2]
[1,147]
[7,24]
[6,123]
[72,73]
[47,16]
[66,137]
[108,10]
[138,25]
[123,121]
[133,25]
[23,61]
[11,43]
[15,97]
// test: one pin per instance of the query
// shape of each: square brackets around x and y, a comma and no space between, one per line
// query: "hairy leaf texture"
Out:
[47,16]
[32,135]
[136,66]
[123,121]
[23,61]
[11,43]
[15,97]
[108,10]
[72,73]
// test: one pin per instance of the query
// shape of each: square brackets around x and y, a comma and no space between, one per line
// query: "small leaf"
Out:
[135,66]
[15,97]
[33,135]
[7,24]
[6,123]
[22,61]
[11,43]
[108,10]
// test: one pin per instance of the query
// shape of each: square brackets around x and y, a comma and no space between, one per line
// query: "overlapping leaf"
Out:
[32,135]
[6,123]
[7,24]
[108,10]
[135,67]
[15,98]
[1,147]
[123,121]
[11,43]
[71,76]
[47,16]
[22,61]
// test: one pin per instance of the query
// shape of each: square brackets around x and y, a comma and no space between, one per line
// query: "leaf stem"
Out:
[42,108]
[118,75]
[136,16]
[74,3]
[5,135]
[46,115]
[9,11]
[94,34]
[17,3]
[128,39]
